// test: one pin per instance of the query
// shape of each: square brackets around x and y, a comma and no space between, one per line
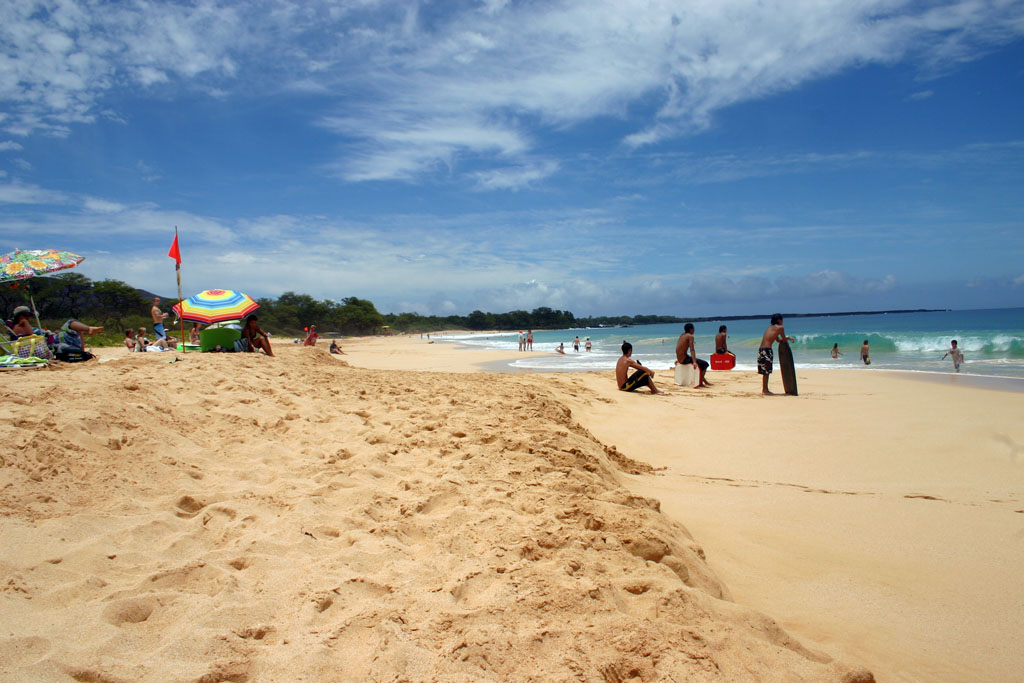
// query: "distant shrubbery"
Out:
[116,305]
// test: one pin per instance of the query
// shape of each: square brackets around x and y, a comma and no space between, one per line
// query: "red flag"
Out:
[174,253]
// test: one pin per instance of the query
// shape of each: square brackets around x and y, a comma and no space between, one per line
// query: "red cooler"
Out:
[723,361]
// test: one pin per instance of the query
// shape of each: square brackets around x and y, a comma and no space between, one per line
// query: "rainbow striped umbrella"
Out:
[215,306]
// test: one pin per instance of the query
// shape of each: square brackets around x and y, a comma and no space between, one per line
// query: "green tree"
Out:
[114,299]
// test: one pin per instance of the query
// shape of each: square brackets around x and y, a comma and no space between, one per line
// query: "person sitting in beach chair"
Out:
[193,335]
[21,324]
[254,338]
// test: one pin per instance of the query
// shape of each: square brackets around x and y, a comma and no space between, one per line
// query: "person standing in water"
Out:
[956,353]
[865,353]
[835,350]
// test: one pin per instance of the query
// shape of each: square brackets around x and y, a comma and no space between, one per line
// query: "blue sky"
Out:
[684,158]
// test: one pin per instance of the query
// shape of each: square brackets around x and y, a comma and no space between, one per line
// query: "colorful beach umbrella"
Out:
[215,306]
[22,264]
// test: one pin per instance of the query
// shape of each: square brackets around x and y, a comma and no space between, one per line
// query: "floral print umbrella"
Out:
[22,264]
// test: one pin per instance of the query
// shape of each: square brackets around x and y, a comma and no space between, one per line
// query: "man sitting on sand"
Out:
[686,353]
[765,354]
[643,377]
[335,348]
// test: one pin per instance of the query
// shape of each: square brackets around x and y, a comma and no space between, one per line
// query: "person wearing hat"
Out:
[22,326]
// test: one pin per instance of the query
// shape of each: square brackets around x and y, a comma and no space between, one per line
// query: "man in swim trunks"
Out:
[765,354]
[576,344]
[720,344]
[158,319]
[643,377]
[686,353]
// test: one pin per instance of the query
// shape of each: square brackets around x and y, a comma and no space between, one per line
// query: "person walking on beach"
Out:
[835,350]
[158,319]
[576,344]
[522,341]
[865,353]
[686,353]
[643,377]
[956,353]
[529,340]
[766,355]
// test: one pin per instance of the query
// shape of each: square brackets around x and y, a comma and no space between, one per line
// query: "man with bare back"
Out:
[765,354]
[686,353]
[643,377]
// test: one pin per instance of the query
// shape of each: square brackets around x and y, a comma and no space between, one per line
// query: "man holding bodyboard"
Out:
[766,356]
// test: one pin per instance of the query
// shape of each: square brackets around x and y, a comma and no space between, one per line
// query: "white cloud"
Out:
[9,145]
[16,192]
[421,92]
[515,178]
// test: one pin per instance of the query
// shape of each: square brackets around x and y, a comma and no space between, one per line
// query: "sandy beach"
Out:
[395,514]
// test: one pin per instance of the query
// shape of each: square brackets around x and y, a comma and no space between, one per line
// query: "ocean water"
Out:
[992,341]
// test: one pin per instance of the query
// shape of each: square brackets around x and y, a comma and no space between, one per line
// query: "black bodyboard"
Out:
[787,368]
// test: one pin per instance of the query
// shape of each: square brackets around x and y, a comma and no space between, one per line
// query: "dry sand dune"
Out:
[244,518]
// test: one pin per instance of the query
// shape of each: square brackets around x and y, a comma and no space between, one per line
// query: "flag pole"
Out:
[181,308]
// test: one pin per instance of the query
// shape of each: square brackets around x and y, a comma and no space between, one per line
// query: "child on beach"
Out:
[765,354]
[865,353]
[956,353]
